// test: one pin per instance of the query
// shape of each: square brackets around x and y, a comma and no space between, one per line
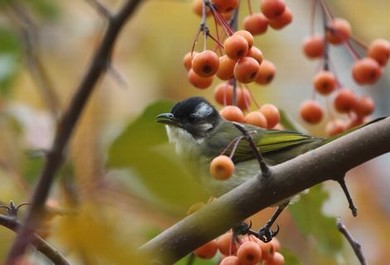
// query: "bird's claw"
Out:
[265,234]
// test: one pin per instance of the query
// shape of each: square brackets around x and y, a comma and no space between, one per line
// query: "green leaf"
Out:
[142,149]
[290,258]
[310,220]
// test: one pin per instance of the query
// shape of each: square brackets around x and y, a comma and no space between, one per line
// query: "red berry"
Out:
[364,106]
[246,69]
[271,114]
[225,6]
[205,63]
[313,46]
[272,8]
[266,73]
[334,127]
[199,81]
[249,253]
[339,31]
[256,118]
[379,50]
[235,47]
[283,20]
[366,71]
[311,111]
[324,82]
[208,250]
[256,23]
[344,100]
[256,53]
[226,67]
[232,113]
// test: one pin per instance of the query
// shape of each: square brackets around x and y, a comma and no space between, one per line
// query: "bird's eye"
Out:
[193,118]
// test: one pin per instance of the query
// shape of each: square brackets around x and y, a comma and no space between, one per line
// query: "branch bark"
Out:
[287,179]
[67,124]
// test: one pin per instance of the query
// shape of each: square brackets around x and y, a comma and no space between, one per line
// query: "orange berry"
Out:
[208,250]
[246,70]
[366,71]
[272,115]
[232,113]
[272,8]
[229,260]
[311,112]
[226,67]
[266,72]
[223,94]
[249,253]
[256,118]
[221,167]
[334,127]
[339,31]
[277,259]
[324,82]
[344,100]
[283,20]
[205,63]
[313,46]
[197,7]
[226,245]
[247,35]
[199,81]
[276,243]
[267,249]
[225,6]
[187,59]
[256,23]
[256,53]
[379,50]
[364,106]
[235,47]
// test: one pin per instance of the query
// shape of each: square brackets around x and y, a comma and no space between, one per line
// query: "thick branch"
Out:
[325,163]
[55,156]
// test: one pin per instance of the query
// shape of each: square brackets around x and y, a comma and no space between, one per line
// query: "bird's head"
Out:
[194,116]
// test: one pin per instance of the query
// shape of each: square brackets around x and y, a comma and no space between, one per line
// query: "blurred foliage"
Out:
[312,222]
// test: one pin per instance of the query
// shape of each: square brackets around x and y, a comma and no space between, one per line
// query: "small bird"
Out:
[200,134]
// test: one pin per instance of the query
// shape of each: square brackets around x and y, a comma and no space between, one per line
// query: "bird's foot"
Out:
[266,234]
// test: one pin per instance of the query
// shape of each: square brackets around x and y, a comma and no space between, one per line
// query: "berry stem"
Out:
[265,170]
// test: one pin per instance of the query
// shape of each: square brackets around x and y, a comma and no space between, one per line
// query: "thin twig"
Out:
[39,243]
[354,244]
[55,156]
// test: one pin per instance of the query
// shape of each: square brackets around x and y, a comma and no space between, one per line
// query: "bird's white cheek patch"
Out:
[204,110]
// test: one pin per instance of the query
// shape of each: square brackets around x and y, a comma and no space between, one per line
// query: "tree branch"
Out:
[55,156]
[287,179]
[39,243]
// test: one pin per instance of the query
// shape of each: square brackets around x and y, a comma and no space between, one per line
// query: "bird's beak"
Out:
[168,119]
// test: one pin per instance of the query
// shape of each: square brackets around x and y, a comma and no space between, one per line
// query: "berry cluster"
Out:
[246,250]
[234,59]
[366,70]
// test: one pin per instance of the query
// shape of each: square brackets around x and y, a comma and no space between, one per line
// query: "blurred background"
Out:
[59,38]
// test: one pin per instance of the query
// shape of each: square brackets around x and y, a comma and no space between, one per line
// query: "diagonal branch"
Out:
[67,123]
[287,179]
[39,243]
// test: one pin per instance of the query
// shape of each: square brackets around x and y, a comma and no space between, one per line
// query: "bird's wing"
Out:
[275,145]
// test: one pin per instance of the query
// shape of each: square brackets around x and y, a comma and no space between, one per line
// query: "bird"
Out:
[200,133]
